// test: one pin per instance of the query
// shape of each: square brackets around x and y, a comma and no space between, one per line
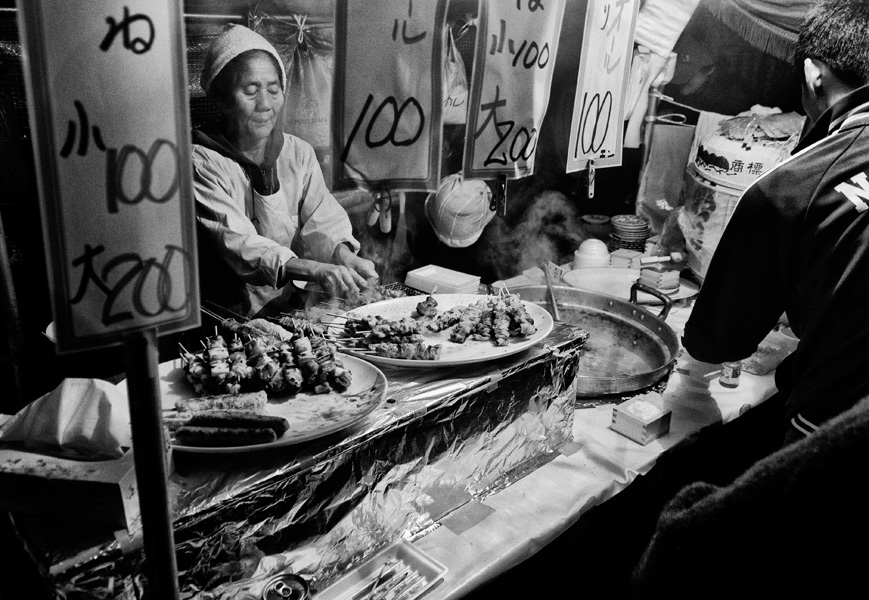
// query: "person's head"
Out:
[832,52]
[243,75]
[460,210]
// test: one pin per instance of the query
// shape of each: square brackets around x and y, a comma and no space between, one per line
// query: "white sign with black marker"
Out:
[517,43]
[386,109]
[597,125]
[107,92]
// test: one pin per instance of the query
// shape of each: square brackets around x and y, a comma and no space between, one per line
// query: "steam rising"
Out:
[548,230]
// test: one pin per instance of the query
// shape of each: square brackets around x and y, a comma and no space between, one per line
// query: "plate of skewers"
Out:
[441,329]
[261,384]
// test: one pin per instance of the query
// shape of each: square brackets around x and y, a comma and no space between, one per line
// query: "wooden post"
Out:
[146,422]
[12,324]
[648,131]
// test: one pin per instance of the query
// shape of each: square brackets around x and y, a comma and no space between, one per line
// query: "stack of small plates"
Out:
[629,232]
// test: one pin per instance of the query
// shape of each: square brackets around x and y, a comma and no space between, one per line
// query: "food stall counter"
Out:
[440,438]
[484,539]
[477,522]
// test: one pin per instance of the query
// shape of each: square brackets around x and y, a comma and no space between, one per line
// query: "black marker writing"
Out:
[592,136]
[533,5]
[522,143]
[84,140]
[407,39]
[137,45]
[610,30]
[396,114]
[137,273]
[530,53]
[116,166]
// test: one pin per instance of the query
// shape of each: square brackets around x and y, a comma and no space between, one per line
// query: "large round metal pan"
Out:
[628,347]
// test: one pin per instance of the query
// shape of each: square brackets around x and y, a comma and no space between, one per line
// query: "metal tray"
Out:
[404,571]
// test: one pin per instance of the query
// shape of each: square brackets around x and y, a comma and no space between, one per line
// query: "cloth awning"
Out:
[769,25]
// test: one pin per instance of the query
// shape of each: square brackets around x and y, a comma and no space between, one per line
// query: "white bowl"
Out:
[591,253]
[594,246]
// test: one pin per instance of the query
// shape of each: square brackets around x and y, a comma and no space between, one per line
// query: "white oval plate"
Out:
[452,353]
[617,282]
[310,416]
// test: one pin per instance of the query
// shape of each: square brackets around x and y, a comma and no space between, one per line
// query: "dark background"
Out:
[717,71]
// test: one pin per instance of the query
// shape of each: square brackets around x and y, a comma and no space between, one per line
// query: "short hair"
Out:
[220,90]
[836,32]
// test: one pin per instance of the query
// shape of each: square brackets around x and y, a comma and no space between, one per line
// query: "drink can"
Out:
[286,587]
[730,372]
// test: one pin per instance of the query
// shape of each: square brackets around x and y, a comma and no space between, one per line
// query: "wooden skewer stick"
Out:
[225,310]
[210,313]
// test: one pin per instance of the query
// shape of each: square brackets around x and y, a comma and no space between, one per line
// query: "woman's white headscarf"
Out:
[229,44]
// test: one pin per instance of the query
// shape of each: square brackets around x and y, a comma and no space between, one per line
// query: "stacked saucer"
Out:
[629,232]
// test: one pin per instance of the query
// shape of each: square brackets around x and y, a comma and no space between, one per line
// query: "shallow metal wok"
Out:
[628,347]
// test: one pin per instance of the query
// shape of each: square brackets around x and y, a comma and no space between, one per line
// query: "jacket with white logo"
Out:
[798,243]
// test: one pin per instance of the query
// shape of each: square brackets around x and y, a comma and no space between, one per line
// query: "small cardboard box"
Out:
[93,491]
[642,419]
[625,259]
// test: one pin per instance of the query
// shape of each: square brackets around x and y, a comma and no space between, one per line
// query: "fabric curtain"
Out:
[769,25]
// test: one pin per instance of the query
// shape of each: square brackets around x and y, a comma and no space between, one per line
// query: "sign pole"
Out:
[146,422]
[107,97]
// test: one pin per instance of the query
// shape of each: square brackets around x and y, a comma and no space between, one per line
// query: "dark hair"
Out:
[836,32]
[221,88]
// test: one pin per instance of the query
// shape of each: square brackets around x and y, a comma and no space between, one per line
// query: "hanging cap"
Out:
[234,40]
[459,211]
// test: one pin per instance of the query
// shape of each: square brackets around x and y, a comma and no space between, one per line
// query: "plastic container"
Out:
[434,279]
[401,570]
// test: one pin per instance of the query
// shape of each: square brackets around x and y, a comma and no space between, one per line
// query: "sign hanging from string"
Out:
[597,124]
[386,107]
[107,90]
[517,43]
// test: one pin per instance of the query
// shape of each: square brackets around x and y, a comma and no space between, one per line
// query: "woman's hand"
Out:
[361,266]
[338,280]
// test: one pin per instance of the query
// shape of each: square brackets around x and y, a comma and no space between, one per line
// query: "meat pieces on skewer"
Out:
[408,351]
[428,307]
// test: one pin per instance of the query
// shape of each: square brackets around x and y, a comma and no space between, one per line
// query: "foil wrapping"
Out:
[442,438]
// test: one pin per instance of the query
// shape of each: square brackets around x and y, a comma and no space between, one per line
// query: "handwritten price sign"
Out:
[387,96]
[107,92]
[517,41]
[604,68]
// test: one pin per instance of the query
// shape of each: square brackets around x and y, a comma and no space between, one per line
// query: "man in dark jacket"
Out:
[793,526]
[798,242]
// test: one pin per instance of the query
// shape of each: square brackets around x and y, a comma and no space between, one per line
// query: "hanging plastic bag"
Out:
[455,110]
[307,49]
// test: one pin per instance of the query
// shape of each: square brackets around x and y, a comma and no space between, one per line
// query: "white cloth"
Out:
[81,418]
[234,40]
[660,23]
[258,234]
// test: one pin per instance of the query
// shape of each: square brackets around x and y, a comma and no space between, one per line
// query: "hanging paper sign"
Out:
[604,68]
[386,107]
[107,100]
[517,43]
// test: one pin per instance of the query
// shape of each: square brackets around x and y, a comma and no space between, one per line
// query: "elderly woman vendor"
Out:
[262,206]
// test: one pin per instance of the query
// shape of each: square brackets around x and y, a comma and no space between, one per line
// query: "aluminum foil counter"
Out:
[442,438]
